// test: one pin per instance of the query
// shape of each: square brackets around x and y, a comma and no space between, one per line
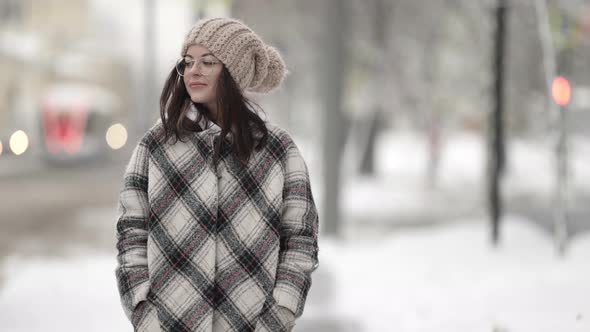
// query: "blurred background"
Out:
[447,143]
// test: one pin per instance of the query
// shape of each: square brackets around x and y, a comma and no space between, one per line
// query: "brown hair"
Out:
[239,115]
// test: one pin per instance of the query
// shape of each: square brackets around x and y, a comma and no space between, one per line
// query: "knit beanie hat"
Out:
[254,66]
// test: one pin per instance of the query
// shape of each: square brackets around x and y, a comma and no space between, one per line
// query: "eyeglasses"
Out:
[205,65]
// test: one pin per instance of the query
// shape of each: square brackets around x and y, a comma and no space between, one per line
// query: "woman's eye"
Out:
[208,63]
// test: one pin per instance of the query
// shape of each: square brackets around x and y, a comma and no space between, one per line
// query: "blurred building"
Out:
[49,42]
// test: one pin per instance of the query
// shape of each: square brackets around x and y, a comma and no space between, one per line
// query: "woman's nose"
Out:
[194,70]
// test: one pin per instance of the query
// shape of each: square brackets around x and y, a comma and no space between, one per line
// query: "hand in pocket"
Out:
[145,318]
[286,316]
[275,318]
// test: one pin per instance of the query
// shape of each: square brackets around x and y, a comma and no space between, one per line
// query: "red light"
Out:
[561,91]
[64,131]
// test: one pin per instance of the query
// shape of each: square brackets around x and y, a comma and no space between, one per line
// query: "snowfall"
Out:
[441,277]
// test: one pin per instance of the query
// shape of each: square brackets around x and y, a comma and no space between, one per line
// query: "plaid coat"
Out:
[201,248]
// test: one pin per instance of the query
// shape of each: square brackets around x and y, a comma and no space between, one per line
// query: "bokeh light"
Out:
[561,91]
[19,142]
[116,136]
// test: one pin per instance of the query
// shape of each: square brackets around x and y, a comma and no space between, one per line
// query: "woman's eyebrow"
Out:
[204,55]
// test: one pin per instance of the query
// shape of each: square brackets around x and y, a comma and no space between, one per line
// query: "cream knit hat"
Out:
[254,66]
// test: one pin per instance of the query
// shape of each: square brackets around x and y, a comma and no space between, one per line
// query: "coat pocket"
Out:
[273,318]
[145,318]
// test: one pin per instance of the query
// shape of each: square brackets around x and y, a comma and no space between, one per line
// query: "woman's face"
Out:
[201,76]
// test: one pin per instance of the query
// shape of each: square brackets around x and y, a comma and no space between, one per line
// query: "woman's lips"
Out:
[197,85]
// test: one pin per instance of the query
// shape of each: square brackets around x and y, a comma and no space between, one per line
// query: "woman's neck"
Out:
[213,116]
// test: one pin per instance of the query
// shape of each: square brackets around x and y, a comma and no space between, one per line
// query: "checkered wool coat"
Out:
[201,248]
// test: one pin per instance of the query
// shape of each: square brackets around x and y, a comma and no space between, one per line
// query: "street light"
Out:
[561,92]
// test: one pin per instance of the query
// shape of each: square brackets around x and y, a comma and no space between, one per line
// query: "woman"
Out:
[216,234]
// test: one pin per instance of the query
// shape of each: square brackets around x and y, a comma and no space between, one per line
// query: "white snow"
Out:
[442,278]
[400,187]
[77,293]
[448,278]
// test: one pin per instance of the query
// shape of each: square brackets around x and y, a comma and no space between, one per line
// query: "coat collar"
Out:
[204,122]
[208,125]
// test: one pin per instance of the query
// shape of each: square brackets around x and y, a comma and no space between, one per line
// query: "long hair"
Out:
[238,116]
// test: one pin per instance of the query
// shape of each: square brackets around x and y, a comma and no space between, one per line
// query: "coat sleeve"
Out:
[132,232]
[298,256]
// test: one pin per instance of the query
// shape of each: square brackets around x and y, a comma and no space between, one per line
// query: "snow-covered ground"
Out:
[399,190]
[448,278]
[442,278]
[76,293]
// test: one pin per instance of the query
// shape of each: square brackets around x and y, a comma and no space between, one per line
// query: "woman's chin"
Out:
[198,100]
